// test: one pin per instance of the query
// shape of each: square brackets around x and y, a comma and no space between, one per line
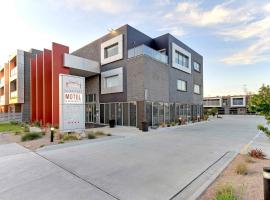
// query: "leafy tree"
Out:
[260,103]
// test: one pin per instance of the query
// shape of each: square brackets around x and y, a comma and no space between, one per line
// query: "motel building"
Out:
[124,75]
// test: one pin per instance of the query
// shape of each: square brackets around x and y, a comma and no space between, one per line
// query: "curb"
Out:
[197,186]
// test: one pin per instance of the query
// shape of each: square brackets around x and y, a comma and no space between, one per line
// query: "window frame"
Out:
[199,87]
[199,65]
[182,81]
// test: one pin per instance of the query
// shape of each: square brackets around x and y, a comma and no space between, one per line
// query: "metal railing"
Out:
[145,50]
[6,117]
[13,72]
[13,94]
[2,99]
[2,81]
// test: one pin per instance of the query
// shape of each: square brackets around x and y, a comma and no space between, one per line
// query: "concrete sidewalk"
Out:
[157,165]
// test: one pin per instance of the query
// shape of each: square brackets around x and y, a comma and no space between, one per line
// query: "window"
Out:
[181,59]
[111,50]
[197,89]
[238,101]
[112,81]
[197,66]
[181,85]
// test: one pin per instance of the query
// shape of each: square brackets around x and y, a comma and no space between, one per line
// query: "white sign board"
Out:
[71,103]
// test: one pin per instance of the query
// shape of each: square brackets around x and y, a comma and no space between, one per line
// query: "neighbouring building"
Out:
[228,105]
[15,87]
[129,77]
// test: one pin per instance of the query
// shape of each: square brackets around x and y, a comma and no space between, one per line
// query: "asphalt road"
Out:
[149,166]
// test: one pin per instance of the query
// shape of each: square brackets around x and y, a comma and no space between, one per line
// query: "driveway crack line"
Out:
[74,174]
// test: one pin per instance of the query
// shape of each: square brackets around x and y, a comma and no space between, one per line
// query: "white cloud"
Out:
[192,14]
[257,52]
[176,31]
[231,20]
[108,6]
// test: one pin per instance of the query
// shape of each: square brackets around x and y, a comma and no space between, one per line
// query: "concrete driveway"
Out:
[158,165]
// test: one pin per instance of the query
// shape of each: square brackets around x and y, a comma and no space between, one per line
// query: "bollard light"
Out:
[266,182]
[52,134]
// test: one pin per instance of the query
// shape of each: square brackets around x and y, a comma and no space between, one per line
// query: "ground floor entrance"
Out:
[134,112]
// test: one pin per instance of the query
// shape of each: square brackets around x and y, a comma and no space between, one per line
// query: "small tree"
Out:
[214,111]
[260,103]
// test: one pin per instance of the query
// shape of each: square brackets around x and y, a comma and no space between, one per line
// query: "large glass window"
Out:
[197,89]
[132,114]
[167,112]
[238,101]
[155,114]
[107,113]
[172,112]
[148,108]
[111,50]
[197,66]
[119,113]
[102,116]
[112,81]
[181,85]
[161,113]
[181,59]
[113,111]
[125,114]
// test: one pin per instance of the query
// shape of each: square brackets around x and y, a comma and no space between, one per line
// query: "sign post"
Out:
[71,103]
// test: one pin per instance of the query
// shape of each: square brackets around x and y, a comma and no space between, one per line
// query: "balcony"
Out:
[13,73]
[13,94]
[2,82]
[212,103]
[145,50]
[2,100]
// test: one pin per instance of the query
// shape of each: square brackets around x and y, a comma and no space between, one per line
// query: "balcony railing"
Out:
[2,99]
[2,81]
[13,72]
[145,50]
[211,103]
[13,94]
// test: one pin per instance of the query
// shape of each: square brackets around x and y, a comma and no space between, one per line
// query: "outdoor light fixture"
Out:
[111,30]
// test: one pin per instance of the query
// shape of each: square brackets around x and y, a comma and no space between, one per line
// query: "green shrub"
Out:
[69,136]
[91,136]
[99,133]
[61,142]
[241,168]
[173,123]
[31,136]
[14,122]
[226,192]
[56,126]
[36,123]
[26,128]
[109,134]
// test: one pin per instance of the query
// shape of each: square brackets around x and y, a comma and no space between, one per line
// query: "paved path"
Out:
[148,166]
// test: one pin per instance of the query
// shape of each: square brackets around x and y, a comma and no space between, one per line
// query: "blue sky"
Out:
[233,36]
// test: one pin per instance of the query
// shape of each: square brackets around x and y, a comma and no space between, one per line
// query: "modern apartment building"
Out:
[142,78]
[129,77]
[235,105]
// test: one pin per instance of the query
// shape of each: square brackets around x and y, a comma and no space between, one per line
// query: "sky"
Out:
[233,36]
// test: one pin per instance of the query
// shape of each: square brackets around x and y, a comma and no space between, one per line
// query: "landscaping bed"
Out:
[241,180]
[20,133]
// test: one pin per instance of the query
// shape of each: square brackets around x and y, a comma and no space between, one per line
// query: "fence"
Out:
[6,117]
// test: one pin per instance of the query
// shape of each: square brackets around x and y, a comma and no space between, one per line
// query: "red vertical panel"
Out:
[39,87]
[58,51]
[47,86]
[33,89]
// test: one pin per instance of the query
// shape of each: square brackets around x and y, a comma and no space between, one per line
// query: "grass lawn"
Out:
[5,127]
